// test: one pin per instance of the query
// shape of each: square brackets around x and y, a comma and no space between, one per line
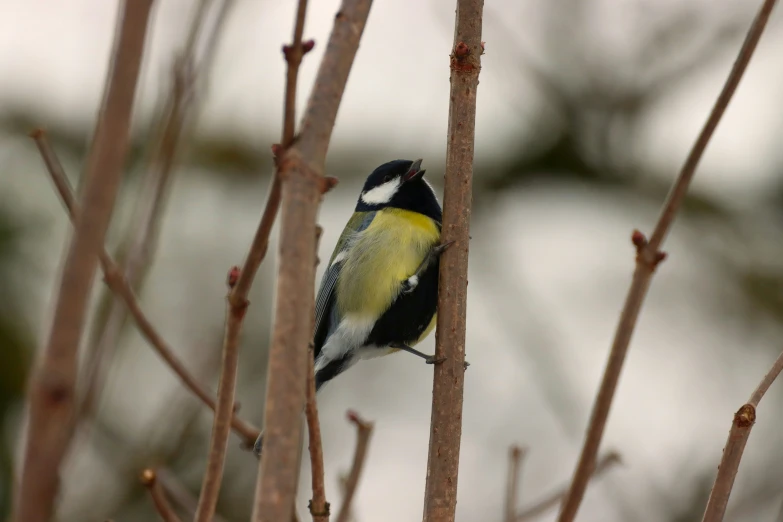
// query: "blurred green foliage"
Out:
[15,342]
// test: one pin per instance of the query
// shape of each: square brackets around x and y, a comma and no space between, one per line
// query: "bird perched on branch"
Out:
[379,294]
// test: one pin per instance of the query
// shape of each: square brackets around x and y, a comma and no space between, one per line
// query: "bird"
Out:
[379,292]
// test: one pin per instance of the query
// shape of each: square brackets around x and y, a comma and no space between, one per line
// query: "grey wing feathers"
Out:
[326,294]
[325,300]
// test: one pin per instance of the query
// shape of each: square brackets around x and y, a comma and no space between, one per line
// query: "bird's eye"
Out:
[387,177]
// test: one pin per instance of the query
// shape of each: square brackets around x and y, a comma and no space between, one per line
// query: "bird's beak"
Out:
[415,172]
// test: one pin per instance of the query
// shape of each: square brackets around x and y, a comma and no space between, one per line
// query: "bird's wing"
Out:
[324,303]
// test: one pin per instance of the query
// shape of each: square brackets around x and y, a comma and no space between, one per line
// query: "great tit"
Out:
[379,293]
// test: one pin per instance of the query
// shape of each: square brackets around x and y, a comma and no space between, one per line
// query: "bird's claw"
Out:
[438,250]
[432,360]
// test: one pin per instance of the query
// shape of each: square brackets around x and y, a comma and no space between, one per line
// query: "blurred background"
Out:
[586,110]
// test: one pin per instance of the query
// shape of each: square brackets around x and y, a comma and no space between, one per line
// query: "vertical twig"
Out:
[303,184]
[648,257]
[221,426]
[52,388]
[237,302]
[119,285]
[440,497]
[319,507]
[363,434]
[150,480]
[515,457]
[143,231]
[735,446]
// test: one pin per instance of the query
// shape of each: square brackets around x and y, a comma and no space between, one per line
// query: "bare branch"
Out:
[363,434]
[293,56]
[319,507]
[166,512]
[729,463]
[440,497]
[301,172]
[237,303]
[515,457]
[113,278]
[766,382]
[53,383]
[648,257]
[556,498]
[221,426]
[735,446]
[143,231]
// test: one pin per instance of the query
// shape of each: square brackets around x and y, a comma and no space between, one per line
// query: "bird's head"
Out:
[399,184]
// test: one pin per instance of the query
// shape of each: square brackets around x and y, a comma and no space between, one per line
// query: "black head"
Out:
[399,184]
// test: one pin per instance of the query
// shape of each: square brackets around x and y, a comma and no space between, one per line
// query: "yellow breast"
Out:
[382,256]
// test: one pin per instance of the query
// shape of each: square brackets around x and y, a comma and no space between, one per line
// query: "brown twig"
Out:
[554,499]
[293,56]
[303,185]
[440,497]
[319,507]
[343,479]
[52,387]
[648,257]
[113,278]
[729,463]
[237,303]
[221,426]
[363,434]
[735,446]
[143,231]
[150,481]
[515,457]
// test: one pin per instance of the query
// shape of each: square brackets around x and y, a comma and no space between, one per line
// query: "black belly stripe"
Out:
[409,315]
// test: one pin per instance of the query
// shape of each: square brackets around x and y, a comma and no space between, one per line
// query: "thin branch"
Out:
[150,481]
[554,499]
[766,382]
[440,496]
[113,278]
[729,463]
[319,507]
[302,174]
[52,388]
[221,426]
[735,446]
[143,231]
[343,479]
[515,457]
[648,257]
[363,434]
[237,303]
[236,307]
[293,56]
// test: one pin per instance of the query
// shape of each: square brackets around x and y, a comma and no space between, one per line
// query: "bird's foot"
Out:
[438,250]
[430,359]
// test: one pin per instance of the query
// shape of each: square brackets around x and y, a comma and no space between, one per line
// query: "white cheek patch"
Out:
[382,193]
